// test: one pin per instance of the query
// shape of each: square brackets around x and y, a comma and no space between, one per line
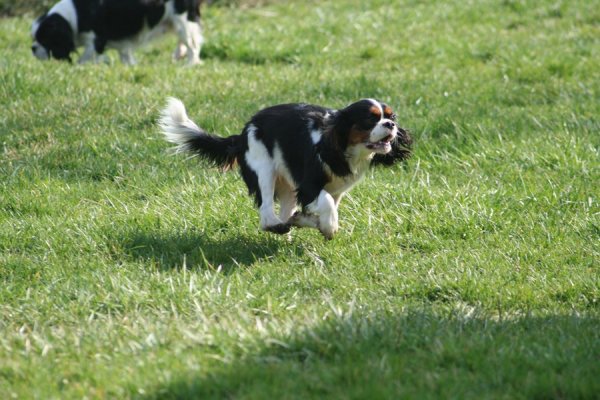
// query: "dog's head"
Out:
[52,38]
[369,127]
[368,124]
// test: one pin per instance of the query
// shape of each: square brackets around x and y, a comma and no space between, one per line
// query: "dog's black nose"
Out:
[33,48]
[389,124]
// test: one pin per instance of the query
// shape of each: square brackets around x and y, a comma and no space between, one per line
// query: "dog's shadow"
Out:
[194,249]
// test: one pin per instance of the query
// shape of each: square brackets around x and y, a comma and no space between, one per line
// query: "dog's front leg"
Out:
[89,52]
[126,56]
[322,215]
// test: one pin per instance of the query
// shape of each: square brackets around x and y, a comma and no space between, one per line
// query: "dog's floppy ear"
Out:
[64,44]
[63,51]
[59,37]
[401,149]
[334,143]
[341,125]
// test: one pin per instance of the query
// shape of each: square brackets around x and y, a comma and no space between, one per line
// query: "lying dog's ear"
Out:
[401,149]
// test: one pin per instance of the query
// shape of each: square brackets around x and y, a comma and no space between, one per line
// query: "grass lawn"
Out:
[470,272]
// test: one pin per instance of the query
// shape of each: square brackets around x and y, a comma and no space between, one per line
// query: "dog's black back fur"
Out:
[121,19]
[86,12]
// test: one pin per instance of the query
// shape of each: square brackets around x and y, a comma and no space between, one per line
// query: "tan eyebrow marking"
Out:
[375,110]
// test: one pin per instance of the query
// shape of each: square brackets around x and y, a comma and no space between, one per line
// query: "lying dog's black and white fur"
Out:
[300,154]
[123,25]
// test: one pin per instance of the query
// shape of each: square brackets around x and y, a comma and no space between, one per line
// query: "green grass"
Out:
[469,272]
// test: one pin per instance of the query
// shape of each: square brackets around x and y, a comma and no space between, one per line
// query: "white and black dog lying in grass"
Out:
[300,154]
[123,25]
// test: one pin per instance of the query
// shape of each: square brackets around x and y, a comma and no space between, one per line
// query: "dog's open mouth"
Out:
[384,145]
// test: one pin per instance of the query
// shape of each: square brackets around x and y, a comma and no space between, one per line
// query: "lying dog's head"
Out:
[52,37]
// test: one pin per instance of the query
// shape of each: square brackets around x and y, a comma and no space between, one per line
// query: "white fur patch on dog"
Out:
[176,126]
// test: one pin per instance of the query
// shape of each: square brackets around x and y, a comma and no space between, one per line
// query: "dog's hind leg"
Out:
[257,158]
[89,52]
[287,199]
[266,182]
[194,42]
[126,56]
[190,38]
[180,51]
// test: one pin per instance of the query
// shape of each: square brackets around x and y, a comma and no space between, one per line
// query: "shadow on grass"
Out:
[194,249]
[417,355]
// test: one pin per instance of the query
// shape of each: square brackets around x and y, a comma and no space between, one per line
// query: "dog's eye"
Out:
[367,122]
[371,120]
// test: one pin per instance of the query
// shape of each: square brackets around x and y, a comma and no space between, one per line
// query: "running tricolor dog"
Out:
[299,154]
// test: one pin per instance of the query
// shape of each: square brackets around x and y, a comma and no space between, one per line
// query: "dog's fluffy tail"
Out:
[179,129]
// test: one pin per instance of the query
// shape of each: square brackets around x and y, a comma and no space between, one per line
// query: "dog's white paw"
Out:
[328,226]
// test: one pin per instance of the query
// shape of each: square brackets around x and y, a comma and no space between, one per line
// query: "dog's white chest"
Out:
[340,185]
